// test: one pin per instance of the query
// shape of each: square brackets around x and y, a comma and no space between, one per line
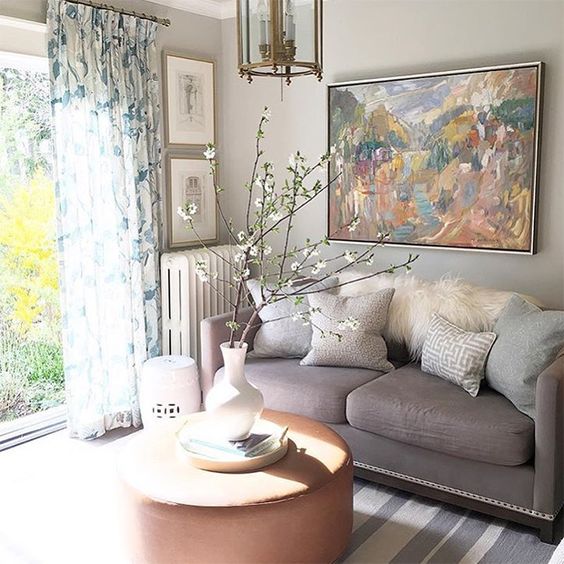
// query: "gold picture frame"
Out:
[188,179]
[465,180]
[189,86]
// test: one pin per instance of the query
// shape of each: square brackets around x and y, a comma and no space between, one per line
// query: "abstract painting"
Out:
[189,101]
[437,160]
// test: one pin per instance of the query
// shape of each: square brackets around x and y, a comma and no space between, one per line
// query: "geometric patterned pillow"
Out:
[456,355]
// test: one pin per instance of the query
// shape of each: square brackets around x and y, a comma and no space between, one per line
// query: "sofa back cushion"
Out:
[469,307]
[528,340]
[279,335]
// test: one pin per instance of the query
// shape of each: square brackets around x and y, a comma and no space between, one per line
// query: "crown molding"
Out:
[217,9]
[26,25]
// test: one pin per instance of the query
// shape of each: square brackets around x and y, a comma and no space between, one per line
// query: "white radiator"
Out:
[186,300]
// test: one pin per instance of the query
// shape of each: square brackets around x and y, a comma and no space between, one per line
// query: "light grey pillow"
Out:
[360,348]
[282,337]
[528,341]
[456,355]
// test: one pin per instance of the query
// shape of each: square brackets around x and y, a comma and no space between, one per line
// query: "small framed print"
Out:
[189,181]
[189,97]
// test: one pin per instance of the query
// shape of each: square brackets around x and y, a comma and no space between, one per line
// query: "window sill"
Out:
[13,433]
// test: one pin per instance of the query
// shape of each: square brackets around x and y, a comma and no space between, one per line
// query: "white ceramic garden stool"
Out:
[170,389]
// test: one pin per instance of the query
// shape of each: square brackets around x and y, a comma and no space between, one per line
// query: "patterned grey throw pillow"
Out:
[360,348]
[456,355]
[528,340]
[282,337]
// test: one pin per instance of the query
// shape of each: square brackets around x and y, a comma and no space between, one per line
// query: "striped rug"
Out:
[391,526]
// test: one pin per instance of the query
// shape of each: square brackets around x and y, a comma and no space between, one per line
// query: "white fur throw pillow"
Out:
[469,307]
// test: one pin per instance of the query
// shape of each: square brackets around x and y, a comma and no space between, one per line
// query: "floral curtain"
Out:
[104,88]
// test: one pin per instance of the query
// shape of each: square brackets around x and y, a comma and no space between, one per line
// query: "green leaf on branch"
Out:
[233,325]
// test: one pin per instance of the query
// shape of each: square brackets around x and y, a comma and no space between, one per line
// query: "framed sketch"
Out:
[441,160]
[189,95]
[188,180]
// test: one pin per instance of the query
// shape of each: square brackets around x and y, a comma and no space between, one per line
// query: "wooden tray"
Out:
[232,464]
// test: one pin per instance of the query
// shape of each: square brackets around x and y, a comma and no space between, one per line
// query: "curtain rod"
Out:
[161,21]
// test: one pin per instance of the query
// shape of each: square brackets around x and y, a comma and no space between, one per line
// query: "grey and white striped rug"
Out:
[391,526]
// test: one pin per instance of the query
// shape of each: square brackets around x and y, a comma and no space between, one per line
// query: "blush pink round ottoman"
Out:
[297,510]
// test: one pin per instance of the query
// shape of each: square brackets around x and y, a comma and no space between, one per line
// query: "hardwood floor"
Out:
[59,502]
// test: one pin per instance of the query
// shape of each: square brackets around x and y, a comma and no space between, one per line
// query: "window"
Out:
[31,364]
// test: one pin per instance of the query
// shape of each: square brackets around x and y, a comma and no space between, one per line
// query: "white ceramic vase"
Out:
[234,405]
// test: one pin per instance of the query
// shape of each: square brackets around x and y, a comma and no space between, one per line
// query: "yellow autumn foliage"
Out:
[28,258]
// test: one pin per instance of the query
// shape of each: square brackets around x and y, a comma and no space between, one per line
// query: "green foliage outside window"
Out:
[31,365]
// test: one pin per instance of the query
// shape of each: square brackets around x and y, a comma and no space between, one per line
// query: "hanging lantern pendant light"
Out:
[279,39]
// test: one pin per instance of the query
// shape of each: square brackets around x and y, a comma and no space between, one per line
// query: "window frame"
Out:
[26,41]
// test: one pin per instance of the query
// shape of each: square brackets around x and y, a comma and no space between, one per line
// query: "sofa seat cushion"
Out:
[319,392]
[419,409]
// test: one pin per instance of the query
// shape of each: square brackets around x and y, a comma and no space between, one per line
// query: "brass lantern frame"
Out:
[279,60]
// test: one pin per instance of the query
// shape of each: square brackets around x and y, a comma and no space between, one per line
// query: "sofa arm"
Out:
[549,439]
[213,332]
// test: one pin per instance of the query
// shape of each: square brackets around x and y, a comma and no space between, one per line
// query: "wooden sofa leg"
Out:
[546,532]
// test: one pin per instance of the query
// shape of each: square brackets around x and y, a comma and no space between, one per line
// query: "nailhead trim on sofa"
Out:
[526,511]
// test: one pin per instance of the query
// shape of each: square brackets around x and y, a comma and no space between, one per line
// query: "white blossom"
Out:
[239,257]
[276,216]
[288,284]
[370,261]
[183,214]
[267,250]
[253,251]
[258,202]
[192,208]
[242,275]
[259,182]
[349,323]
[353,225]
[307,252]
[241,236]
[209,153]
[295,266]
[350,256]
[310,252]
[319,266]
[202,271]
[292,160]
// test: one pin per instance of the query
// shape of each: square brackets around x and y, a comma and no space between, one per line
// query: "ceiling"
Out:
[220,9]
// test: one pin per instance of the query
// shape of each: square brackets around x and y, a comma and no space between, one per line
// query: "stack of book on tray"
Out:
[257,444]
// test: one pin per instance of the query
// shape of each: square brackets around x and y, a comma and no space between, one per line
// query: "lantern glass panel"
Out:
[301,25]
[254,30]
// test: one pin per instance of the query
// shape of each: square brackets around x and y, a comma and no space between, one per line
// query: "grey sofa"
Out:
[419,433]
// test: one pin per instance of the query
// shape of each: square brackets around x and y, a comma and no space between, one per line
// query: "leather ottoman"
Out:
[296,510]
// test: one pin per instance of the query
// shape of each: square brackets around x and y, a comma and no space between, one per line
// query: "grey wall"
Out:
[373,38]
[189,34]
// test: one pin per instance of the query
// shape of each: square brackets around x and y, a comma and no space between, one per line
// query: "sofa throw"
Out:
[469,307]
[280,336]
[456,355]
[363,347]
[528,341]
